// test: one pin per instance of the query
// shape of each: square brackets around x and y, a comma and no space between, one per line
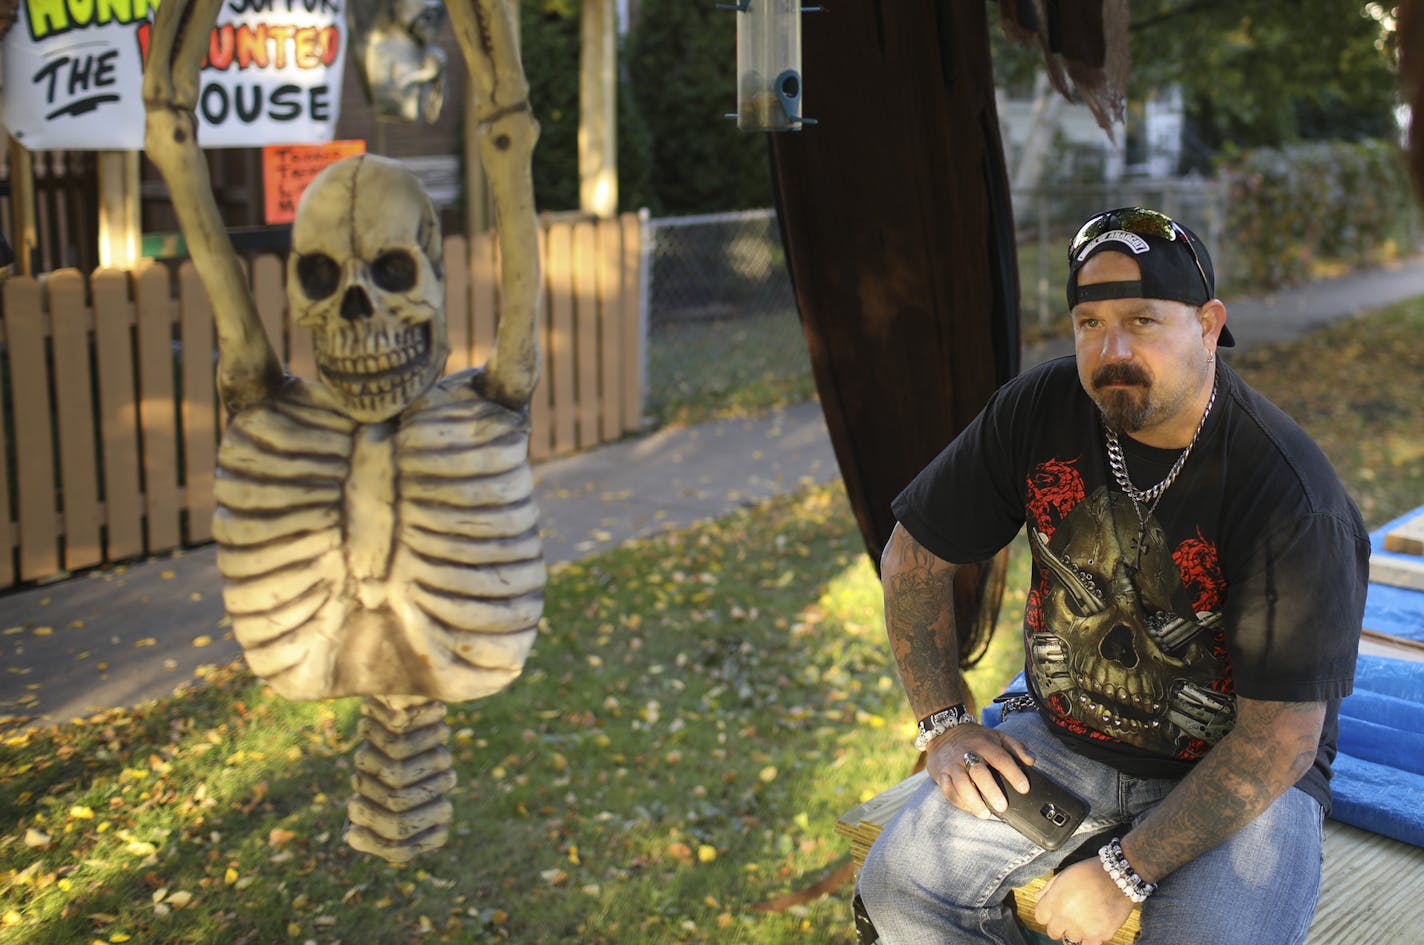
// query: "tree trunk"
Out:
[899,237]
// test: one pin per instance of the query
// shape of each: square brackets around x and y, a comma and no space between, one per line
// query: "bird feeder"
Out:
[769,65]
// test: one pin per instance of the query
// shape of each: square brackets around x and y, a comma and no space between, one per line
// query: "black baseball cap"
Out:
[1173,260]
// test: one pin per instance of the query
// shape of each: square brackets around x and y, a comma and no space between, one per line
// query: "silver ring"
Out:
[1071,941]
[971,759]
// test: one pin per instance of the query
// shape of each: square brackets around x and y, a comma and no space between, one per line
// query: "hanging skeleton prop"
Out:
[402,67]
[376,527]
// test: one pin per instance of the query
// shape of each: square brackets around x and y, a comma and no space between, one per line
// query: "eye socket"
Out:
[394,271]
[319,275]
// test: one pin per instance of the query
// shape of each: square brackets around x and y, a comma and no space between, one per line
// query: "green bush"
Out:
[682,64]
[549,46]
[1297,210]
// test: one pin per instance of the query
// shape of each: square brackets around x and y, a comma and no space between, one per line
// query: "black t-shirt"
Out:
[1248,577]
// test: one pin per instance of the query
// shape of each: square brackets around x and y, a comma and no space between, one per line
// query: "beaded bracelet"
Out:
[1115,862]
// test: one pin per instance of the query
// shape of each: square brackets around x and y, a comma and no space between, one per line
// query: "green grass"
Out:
[703,369]
[698,710]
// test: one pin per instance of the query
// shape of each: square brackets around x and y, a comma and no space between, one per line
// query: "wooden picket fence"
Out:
[111,422]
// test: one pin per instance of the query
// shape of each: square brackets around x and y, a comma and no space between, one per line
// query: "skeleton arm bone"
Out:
[508,130]
[248,370]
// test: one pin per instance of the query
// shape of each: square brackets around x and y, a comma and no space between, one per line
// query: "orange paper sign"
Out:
[288,168]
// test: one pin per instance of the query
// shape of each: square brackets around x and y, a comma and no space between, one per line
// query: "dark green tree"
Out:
[682,66]
[1253,73]
[1258,73]
[549,40]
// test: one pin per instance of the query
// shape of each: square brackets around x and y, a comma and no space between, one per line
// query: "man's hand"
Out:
[1082,904]
[973,789]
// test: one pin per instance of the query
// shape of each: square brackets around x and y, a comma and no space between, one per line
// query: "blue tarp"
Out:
[1396,611]
[1379,773]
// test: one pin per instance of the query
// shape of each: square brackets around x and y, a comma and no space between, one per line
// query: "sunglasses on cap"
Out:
[1142,222]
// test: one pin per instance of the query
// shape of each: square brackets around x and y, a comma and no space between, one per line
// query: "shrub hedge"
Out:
[1296,210]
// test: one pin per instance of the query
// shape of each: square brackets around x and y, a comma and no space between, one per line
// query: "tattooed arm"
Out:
[919,619]
[1271,747]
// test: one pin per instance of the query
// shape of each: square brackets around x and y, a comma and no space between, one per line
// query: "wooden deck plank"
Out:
[1406,538]
[1397,572]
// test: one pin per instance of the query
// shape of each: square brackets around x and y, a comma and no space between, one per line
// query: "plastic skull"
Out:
[1116,652]
[365,277]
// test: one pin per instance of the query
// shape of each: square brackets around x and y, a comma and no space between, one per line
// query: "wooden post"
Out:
[598,109]
[24,230]
[120,226]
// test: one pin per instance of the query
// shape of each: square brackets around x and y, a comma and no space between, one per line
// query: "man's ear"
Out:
[1212,317]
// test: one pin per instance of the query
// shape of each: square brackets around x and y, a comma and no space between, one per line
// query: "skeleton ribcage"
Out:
[400,558]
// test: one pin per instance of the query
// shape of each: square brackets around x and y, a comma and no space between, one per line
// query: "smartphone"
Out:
[1048,814]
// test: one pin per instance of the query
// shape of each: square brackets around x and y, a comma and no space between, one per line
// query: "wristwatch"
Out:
[935,725]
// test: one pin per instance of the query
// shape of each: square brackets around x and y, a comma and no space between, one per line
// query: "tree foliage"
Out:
[1263,73]
[1254,73]
[549,40]
[681,60]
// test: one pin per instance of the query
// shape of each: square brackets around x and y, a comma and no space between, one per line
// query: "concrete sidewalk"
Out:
[117,636]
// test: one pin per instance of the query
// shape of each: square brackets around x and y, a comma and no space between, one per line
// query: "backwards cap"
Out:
[1168,270]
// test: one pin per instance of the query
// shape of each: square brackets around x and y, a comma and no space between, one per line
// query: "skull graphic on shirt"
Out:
[1117,649]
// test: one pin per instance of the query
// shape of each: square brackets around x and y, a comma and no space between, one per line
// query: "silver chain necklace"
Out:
[1150,497]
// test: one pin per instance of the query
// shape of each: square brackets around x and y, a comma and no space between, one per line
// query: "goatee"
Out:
[1124,411]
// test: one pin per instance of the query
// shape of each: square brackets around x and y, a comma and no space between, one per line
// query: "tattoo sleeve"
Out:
[1272,745]
[919,619]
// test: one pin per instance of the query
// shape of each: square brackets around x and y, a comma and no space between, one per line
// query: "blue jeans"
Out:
[937,875]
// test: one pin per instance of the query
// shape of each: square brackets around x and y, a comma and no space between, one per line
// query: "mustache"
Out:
[1127,373]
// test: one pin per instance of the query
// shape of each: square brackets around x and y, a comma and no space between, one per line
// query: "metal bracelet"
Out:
[940,722]
[1018,702]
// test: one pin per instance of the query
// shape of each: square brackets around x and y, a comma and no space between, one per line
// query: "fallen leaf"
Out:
[279,837]
[202,641]
[37,838]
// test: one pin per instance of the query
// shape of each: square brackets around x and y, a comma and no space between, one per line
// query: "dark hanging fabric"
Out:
[899,237]
[1410,36]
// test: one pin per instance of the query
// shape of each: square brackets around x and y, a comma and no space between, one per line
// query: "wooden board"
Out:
[1406,538]
[1397,572]
[1372,887]
[72,322]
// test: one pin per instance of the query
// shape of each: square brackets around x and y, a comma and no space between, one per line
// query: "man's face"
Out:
[1142,361]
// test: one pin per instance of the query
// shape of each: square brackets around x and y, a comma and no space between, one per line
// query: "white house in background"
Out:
[1148,146]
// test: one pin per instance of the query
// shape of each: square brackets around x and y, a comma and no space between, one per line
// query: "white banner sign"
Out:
[74,73]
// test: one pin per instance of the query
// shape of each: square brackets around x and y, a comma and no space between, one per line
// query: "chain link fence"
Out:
[731,265]
[716,266]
